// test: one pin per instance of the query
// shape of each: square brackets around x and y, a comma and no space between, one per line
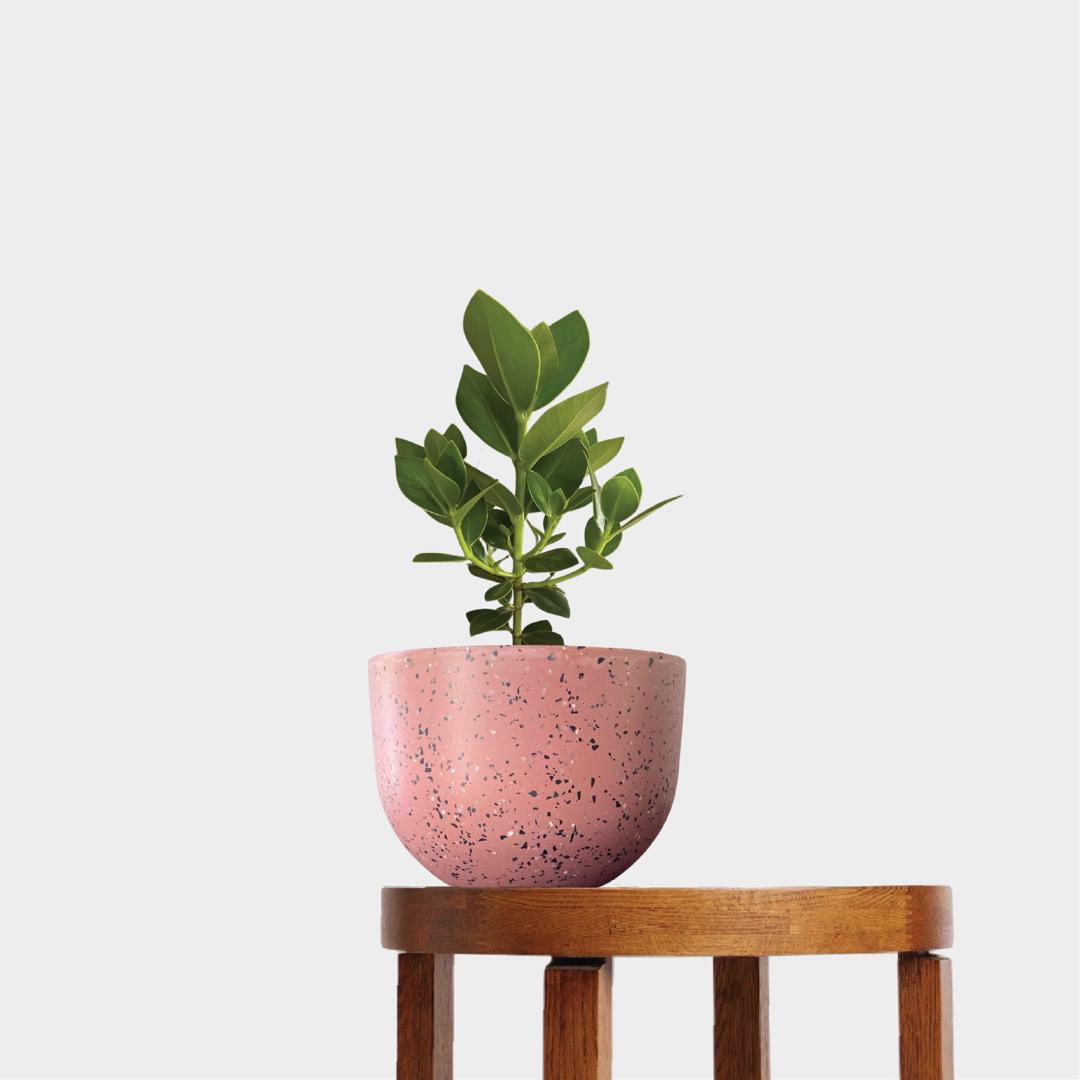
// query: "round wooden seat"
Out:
[668,922]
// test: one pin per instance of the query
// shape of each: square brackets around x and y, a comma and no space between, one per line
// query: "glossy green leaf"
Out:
[549,561]
[500,591]
[594,537]
[445,456]
[581,497]
[593,559]
[472,497]
[409,449]
[551,599]
[483,620]
[448,492]
[572,343]
[497,494]
[506,350]
[485,412]
[589,437]
[412,478]
[558,504]
[453,433]
[495,532]
[540,624]
[477,571]
[634,479]
[645,513]
[549,354]
[618,498]
[564,468]
[600,453]
[437,556]
[541,637]
[540,491]
[474,522]
[561,422]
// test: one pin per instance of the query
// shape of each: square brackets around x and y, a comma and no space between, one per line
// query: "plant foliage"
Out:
[510,538]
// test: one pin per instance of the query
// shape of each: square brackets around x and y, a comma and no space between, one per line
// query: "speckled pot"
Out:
[526,764]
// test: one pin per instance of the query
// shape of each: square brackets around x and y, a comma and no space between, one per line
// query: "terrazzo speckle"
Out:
[526,765]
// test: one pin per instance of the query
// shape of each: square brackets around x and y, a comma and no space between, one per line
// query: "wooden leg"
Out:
[741,1018]
[577,1019]
[926,1041]
[425,1010]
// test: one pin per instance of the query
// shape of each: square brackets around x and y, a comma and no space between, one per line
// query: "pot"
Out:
[528,765]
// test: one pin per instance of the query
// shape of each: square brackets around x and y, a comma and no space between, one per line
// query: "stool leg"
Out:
[577,1019]
[425,1012]
[926,1040]
[741,1018]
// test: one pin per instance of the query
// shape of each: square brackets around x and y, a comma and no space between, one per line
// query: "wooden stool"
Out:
[583,929]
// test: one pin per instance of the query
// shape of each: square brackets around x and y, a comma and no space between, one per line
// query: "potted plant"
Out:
[526,762]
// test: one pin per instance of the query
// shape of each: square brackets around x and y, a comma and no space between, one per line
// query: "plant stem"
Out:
[468,553]
[521,491]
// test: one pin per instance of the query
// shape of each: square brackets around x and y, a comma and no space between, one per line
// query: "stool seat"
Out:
[583,930]
[668,922]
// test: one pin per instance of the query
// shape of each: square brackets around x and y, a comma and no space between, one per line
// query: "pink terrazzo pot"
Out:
[526,764]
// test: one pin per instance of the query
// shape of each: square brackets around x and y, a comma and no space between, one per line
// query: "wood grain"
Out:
[668,922]
[425,1015]
[741,1012]
[577,1019]
[926,1038]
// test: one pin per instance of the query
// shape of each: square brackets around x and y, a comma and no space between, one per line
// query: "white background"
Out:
[827,252]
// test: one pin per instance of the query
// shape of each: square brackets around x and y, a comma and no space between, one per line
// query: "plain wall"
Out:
[827,252]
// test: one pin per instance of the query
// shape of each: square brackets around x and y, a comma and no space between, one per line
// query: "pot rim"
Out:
[586,650]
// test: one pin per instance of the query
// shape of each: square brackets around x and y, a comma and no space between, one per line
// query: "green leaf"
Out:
[558,504]
[551,599]
[540,491]
[485,412]
[497,494]
[542,637]
[549,354]
[594,537]
[483,620]
[446,457]
[581,497]
[561,422]
[619,498]
[645,513]
[564,468]
[474,497]
[453,433]
[505,349]
[540,624]
[572,343]
[476,571]
[634,479]
[437,556]
[409,449]
[474,522]
[601,453]
[448,492]
[550,561]
[589,437]
[412,478]
[496,535]
[555,537]
[593,559]
[500,591]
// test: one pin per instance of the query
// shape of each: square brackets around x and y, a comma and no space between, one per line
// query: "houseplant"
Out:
[527,762]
